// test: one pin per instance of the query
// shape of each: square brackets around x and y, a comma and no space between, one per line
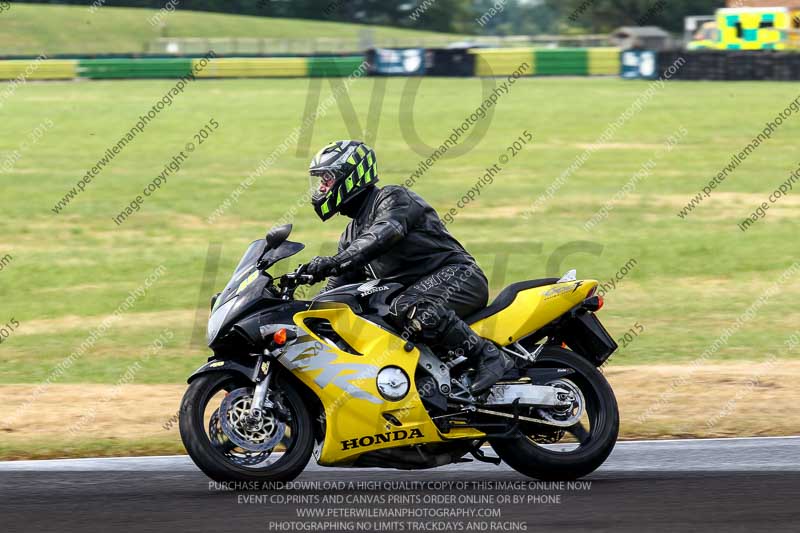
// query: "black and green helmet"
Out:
[351,165]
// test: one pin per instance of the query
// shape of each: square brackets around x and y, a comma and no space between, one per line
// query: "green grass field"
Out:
[57,29]
[693,277]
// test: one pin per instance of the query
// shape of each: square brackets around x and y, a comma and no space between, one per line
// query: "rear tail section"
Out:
[529,310]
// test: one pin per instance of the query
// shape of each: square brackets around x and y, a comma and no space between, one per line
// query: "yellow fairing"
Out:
[533,309]
[346,385]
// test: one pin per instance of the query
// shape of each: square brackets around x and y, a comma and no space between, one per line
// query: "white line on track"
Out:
[711,439]
[752,454]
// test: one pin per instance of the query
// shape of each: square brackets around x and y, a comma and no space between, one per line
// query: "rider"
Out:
[396,236]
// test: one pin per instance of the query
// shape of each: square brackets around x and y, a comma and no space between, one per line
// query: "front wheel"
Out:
[544,452]
[216,433]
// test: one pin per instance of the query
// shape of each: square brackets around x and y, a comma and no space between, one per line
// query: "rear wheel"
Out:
[218,438]
[544,452]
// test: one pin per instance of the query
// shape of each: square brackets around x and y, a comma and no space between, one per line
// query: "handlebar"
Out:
[292,280]
[300,278]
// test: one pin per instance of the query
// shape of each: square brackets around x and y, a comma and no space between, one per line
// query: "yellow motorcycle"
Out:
[331,378]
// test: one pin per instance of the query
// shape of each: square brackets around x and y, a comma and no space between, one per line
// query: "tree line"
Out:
[479,17]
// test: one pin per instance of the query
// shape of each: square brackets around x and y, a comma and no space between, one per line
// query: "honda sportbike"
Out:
[329,377]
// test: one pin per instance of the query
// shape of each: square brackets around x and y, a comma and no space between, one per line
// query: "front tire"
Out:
[219,460]
[528,457]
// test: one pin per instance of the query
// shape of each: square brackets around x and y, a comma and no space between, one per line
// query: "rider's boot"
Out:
[491,363]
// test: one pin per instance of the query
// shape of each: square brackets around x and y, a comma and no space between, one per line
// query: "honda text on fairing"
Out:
[330,377]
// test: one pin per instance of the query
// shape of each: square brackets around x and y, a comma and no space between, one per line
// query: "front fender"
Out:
[226,365]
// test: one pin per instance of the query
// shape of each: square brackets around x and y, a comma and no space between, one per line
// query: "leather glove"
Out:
[321,267]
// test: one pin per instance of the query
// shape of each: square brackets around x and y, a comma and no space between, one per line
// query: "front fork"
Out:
[262,377]
[264,372]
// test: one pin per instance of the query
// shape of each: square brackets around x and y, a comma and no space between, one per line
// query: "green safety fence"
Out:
[334,66]
[134,68]
[562,62]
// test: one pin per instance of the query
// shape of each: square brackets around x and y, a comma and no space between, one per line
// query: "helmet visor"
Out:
[320,182]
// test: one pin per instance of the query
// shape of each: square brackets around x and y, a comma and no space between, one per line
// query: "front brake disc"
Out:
[233,418]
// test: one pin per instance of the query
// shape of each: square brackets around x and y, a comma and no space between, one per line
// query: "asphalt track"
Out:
[683,485]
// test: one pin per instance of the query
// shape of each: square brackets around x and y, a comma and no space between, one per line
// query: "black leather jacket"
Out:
[395,236]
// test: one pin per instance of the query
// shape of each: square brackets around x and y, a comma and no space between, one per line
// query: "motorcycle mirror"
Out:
[277,235]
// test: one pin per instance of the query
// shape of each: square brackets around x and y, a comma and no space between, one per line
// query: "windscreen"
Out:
[248,261]
[246,265]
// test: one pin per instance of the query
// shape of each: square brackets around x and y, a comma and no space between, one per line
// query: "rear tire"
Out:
[209,459]
[527,457]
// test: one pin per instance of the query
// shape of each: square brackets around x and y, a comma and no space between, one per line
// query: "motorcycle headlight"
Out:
[217,318]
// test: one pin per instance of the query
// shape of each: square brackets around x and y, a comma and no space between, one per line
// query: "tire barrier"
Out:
[699,65]
[449,62]
[722,65]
